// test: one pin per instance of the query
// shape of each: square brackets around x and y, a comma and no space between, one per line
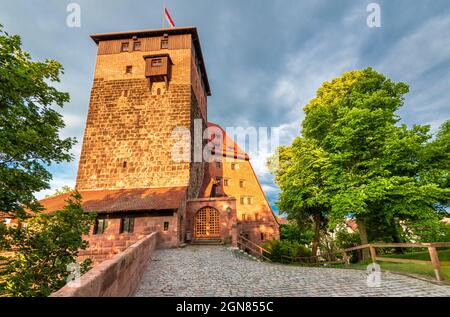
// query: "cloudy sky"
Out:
[265,58]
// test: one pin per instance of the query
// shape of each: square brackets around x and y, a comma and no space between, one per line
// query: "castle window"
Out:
[242,183]
[257,217]
[218,164]
[125,47]
[244,217]
[127,225]
[158,91]
[100,226]
[262,236]
[164,43]
[157,62]
[243,200]
[226,182]
[136,46]
[250,200]
[124,164]
[234,166]
[129,69]
[125,93]
[166,226]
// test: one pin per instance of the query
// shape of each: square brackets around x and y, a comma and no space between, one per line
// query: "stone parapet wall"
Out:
[117,277]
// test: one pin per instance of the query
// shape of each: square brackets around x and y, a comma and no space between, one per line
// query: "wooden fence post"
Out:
[346,259]
[436,264]
[373,253]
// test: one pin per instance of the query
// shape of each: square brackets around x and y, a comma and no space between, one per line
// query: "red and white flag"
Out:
[169,18]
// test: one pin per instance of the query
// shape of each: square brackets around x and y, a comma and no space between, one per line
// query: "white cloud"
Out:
[420,51]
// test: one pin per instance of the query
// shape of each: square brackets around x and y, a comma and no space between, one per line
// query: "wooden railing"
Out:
[252,248]
[434,258]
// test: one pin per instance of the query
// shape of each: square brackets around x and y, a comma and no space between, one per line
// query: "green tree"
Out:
[374,161]
[295,233]
[43,247]
[29,127]
[301,171]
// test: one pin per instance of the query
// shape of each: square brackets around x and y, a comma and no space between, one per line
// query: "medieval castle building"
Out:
[146,85]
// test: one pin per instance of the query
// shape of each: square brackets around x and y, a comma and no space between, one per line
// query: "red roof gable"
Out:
[122,200]
[230,148]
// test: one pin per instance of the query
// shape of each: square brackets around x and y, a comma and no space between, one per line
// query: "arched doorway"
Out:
[207,223]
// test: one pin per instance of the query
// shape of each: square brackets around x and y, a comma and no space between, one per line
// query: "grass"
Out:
[425,270]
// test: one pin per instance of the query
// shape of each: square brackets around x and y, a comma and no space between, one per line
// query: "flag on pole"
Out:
[169,18]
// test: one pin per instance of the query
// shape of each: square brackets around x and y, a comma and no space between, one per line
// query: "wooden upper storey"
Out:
[153,41]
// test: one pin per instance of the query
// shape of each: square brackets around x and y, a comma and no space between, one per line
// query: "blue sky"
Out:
[265,59]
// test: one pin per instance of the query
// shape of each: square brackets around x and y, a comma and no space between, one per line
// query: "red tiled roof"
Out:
[230,148]
[352,224]
[4,215]
[283,221]
[122,200]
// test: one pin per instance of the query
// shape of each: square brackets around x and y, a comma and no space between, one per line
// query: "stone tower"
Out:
[146,84]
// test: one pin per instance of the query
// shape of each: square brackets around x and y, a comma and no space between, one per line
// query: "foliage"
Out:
[301,171]
[355,159]
[295,233]
[44,246]
[29,127]
[63,190]
[345,240]
[280,248]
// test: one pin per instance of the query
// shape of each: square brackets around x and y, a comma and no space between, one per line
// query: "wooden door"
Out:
[207,223]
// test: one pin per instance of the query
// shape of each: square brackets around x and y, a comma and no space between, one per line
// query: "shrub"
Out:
[283,248]
[345,240]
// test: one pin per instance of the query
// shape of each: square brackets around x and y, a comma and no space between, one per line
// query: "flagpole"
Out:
[163,16]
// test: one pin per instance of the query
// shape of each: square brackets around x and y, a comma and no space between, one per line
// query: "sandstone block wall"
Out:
[117,277]
[112,242]
[128,137]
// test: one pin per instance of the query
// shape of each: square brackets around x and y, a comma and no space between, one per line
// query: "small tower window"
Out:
[242,183]
[157,62]
[124,164]
[129,69]
[125,47]
[263,236]
[234,166]
[166,226]
[100,226]
[137,46]
[226,182]
[127,225]
[164,43]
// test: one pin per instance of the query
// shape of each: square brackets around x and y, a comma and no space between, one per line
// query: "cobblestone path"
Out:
[218,271]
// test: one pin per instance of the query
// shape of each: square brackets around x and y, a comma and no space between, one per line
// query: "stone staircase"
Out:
[213,241]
